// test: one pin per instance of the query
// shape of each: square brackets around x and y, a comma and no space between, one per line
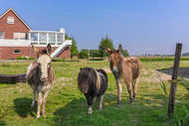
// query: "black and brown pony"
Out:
[126,69]
[92,83]
[40,77]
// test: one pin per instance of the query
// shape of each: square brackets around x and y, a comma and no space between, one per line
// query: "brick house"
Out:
[17,39]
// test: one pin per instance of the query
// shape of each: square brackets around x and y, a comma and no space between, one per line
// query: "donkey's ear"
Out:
[108,50]
[120,48]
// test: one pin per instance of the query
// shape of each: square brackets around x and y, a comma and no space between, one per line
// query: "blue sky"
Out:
[141,26]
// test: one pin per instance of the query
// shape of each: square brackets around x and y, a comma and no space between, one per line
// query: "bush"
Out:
[94,53]
[83,54]
[24,58]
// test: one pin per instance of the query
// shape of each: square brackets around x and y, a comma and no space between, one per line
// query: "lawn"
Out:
[66,106]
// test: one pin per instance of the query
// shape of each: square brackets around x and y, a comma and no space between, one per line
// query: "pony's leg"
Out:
[89,102]
[119,92]
[134,84]
[39,104]
[101,101]
[44,103]
[34,97]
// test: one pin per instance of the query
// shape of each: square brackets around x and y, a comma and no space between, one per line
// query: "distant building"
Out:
[17,39]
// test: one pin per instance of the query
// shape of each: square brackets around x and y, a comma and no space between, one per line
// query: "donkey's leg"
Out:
[134,84]
[129,92]
[119,92]
[34,97]
[39,104]
[101,101]
[44,103]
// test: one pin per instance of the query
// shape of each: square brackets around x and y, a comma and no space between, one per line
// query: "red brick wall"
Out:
[8,52]
[9,29]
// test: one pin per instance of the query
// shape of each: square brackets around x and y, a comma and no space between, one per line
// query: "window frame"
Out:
[19,36]
[10,20]
[14,51]
[3,34]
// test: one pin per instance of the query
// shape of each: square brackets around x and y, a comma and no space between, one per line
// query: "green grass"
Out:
[66,106]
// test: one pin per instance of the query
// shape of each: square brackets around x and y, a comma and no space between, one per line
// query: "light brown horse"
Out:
[40,77]
[126,69]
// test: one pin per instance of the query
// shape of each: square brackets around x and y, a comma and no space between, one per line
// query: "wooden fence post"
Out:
[174,79]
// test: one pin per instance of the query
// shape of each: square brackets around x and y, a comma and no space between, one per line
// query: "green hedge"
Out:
[161,58]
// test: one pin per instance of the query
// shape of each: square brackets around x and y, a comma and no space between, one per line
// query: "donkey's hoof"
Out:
[44,115]
[131,101]
[100,108]
[38,116]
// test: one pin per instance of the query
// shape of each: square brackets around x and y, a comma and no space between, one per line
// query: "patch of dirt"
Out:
[154,76]
[65,79]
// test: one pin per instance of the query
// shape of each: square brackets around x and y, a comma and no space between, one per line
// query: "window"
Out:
[43,38]
[1,35]
[17,51]
[19,36]
[60,38]
[10,20]
[34,37]
[52,38]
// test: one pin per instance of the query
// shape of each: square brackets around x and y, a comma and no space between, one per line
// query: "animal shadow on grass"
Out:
[78,109]
[2,123]
[23,107]
[182,72]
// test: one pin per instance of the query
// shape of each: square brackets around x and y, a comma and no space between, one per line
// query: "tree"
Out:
[125,53]
[74,49]
[105,43]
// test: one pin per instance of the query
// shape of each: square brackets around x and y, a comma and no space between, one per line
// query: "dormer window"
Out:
[10,20]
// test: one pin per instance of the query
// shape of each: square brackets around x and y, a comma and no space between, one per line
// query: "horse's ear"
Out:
[108,50]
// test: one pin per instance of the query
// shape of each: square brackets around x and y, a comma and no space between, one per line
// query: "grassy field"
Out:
[66,106]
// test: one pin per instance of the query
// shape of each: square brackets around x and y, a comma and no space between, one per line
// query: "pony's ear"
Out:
[108,50]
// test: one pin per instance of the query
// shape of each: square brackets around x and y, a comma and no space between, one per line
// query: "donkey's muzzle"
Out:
[43,79]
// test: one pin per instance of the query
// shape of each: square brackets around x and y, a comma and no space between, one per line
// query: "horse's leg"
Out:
[134,84]
[101,101]
[119,92]
[44,102]
[34,97]
[89,102]
[39,104]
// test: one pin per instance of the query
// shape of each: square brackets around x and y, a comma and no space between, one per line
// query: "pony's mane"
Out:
[90,75]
